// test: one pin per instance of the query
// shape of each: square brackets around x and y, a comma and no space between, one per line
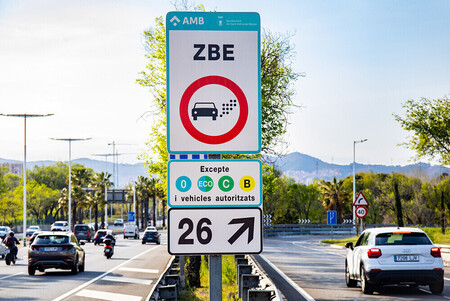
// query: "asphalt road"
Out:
[129,275]
[318,271]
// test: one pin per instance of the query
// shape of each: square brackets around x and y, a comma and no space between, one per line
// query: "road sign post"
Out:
[359,208]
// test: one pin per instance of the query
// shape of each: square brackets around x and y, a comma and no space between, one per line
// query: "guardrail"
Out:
[309,229]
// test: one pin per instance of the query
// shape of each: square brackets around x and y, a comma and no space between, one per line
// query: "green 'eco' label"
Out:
[205,183]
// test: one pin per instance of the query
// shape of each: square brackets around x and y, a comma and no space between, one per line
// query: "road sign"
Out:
[213,82]
[131,216]
[215,231]
[214,183]
[331,217]
[361,211]
[360,200]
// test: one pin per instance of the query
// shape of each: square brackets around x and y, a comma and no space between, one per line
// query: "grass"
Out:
[435,234]
[229,286]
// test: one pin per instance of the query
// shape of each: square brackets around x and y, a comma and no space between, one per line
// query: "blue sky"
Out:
[80,59]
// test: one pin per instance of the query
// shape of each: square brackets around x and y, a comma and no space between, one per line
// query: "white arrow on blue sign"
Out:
[331,217]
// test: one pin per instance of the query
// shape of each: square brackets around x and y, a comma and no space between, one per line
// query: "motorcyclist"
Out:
[11,243]
[109,236]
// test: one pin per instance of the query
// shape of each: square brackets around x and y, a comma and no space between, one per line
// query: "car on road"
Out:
[60,226]
[56,250]
[84,232]
[386,256]
[131,230]
[33,236]
[151,236]
[2,249]
[118,222]
[204,109]
[151,228]
[4,231]
[98,238]
[32,229]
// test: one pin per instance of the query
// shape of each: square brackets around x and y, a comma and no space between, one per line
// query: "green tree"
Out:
[334,196]
[429,122]
[99,183]
[53,176]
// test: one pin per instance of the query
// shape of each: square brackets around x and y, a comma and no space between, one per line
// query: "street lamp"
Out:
[25,116]
[70,172]
[354,183]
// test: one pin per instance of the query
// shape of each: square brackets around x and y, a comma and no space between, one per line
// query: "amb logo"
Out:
[189,21]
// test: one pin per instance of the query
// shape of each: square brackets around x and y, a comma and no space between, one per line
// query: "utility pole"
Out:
[24,173]
[354,183]
[70,173]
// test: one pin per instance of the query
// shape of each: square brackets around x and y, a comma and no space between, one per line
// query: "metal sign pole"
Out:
[215,277]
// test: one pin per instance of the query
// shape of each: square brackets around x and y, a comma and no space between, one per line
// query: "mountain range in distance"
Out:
[303,168]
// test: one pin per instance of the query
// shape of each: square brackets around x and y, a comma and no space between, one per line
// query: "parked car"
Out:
[131,230]
[32,237]
[151,228]
[151,236]
[32,229]
[385,256]
[98,239]
[2,249]
[85,232]
[60,226]
[56,250]
[4,231]
[118,222]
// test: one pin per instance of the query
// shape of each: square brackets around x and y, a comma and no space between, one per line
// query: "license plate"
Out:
[51,249]
[107,250]
[7,251]
[406,258]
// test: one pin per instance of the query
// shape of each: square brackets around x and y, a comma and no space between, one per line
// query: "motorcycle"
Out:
[108,251]
[9,256]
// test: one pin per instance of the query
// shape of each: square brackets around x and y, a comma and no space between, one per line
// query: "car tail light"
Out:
[435,252]
[96,236]
[89,233]
[374,253]
[35,248]
[67,247]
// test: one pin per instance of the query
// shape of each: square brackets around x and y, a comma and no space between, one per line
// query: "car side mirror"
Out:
[82,243]
[349,245]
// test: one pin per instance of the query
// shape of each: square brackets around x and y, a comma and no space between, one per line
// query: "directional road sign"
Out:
[215,231]
[131,216]
[214,183]
[360,200]
[331,217]
[213,82]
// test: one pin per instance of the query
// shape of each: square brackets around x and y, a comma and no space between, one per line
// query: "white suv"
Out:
[384,256]
[60,226]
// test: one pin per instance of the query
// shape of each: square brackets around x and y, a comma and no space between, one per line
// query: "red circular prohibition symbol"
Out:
[213,80]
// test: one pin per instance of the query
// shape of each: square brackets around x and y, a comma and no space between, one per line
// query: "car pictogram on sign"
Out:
[204,109]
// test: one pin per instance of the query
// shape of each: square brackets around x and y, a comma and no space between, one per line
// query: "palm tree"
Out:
[81,176]
[333,195]
[143,195]
[98,183]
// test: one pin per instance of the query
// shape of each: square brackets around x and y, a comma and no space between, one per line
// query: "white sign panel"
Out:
[213,82]
[214,183]
[215,231]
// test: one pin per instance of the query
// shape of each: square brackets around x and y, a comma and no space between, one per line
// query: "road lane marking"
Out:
[139,270]
[71,292]
[319,250]
[107,296]
[289,280]
[9,276]
[127,280]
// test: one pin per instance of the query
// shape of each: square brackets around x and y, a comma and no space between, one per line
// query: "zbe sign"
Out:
[213,82]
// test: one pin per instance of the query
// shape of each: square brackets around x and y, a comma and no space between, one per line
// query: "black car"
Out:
[56,250]
[204,109]
[151,236]
[98,239]
[85,232]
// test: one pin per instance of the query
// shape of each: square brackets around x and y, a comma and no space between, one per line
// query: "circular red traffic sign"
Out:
[361,211]
[213,80]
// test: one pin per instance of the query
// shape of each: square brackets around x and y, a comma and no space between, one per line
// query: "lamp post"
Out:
[25,116]
[70,172]
[354,182]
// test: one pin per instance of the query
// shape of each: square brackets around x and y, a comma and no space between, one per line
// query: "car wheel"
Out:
[31,271]
[158,242]
[437,287]
[3,256]
[81,267]
[143,242]
[366,287]
[349,281]
[75,267]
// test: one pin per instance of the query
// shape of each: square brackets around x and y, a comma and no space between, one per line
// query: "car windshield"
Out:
[101,233]
[59,224]
[150,232]
[52,239]
[34,227]
[2,228]
[203,105]
[81,228]
[402,238]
